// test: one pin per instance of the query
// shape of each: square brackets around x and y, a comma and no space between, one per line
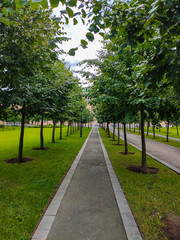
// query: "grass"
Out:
[151,197]
[159,139]
[26,188]
[163,131]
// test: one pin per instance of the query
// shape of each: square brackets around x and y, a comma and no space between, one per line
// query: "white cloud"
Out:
[76,33]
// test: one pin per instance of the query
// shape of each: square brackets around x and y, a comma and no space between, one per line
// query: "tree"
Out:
[26,48]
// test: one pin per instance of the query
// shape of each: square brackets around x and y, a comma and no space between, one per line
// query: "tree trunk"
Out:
[177,130]
[41,134]
[129,127]
[114,131]
[134,127]
[22,133]
[167,136]
[143,143]
[125,139]
[70,125]
[109,131]
[60,130]
[139,128]
[148,128]
[118,135]
[53,132]
[153,131]
[68,130]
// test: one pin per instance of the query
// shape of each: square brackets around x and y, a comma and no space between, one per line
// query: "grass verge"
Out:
[163,131]
[151,197]
[159,139]
[26,188]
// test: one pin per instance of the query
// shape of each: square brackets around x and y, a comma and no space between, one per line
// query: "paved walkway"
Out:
[168,155]
[90,204]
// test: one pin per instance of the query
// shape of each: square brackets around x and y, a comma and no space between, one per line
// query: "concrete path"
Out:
[166,154]
[91,203]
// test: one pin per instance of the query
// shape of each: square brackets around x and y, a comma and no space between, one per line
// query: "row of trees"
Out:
[33,81]
[138,70]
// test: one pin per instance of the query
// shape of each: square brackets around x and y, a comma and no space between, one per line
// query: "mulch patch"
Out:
[15,160]
[139,169]
[172,227]
[112,140]
[46,148]
[123,153]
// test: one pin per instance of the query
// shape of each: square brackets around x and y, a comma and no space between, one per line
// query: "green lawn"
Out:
[26,188]
[151,197]
[163,131]
[159,139]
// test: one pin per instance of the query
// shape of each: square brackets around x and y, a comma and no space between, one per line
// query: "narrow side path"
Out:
[89,208]
[166,154]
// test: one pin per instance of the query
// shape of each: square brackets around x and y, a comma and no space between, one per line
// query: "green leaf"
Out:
[20,2]
[147,22]
[83,42]
[72,3]
[67,20]
[83,13]
[63,12]
[44,4]
[75,21]
[6,21]
[83,46]
[34,5]
[5,11]
[70,12]
[72,51]
[23,2]
[76,14]
[83,21]
[94,28]
[90,36]
[54,3]
[177,16]
[10,10]
[102,34]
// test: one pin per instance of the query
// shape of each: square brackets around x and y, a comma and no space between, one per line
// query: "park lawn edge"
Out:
[24,200]
[171,142]
[163,133]
[172,132]
[150,197]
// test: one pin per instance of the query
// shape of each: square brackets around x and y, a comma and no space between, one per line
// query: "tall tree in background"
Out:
[26,47]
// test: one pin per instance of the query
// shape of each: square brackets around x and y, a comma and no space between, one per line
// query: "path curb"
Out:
[45,225]
[155,158]
[130,225]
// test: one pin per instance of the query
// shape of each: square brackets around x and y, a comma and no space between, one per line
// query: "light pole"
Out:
[81,109]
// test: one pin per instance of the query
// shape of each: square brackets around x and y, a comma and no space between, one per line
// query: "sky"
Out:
[76,33]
